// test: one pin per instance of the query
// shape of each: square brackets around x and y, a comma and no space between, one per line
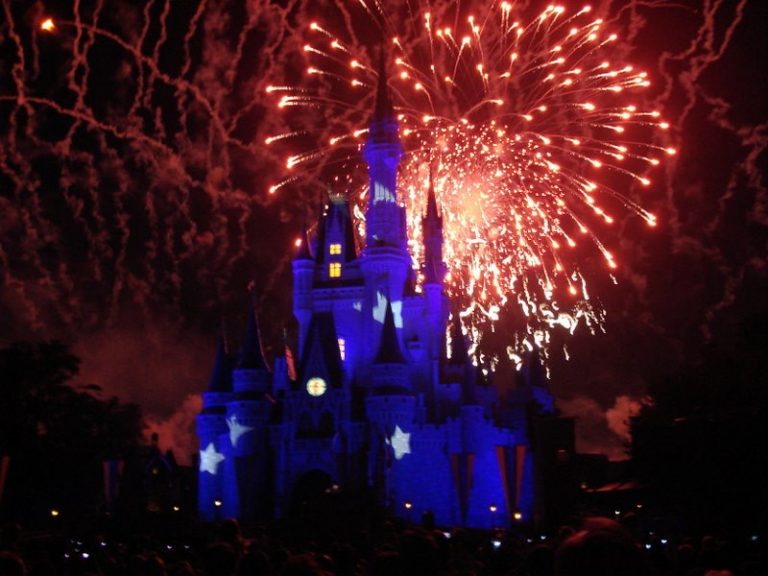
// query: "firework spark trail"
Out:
[707,48]
[163,36]
[698,56]
[141,237]
[512,114]
[158,198]
[97,244]
[18,172]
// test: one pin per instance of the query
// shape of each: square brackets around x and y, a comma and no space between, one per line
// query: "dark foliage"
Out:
[54,437]
[700,447]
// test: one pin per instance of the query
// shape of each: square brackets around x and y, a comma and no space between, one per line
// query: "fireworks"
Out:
[532,131]
[129,159]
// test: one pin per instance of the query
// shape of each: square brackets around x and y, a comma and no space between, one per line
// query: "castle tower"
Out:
[211,426]
[251,373]
[434,271]
[385,218]
[245,471]
[390,409]
[432,233]
[386,263]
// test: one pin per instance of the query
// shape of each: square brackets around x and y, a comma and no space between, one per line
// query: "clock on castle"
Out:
[377,404]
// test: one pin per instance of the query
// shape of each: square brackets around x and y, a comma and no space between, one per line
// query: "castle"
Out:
[380,400]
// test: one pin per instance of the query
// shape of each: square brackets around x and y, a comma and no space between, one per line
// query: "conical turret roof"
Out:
[251,355]
[431,200]
[304,252]
[221,375]
[383,109]
[389,347]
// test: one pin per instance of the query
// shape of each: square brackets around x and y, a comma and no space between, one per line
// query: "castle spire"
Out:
[383,109]
[431,200]
[383,126]
[251,354]
[385,218]
[432,235]
[221,375]
[304,252]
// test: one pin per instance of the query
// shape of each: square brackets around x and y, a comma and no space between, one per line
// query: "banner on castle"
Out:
[520,453]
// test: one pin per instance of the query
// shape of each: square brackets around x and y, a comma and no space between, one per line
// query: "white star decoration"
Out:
[400,442]
[210,459]
[380,310]
[236,429]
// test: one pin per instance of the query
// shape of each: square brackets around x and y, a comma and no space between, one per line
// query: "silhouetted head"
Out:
[219,559]
[601,548]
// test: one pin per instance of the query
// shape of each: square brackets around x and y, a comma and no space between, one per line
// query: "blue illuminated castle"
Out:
[380,400]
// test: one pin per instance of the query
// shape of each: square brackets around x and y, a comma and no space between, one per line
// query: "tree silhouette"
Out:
[55,437]
[700,447]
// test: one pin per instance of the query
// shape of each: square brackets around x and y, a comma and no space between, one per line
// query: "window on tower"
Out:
[343,348]
[334,270]
[334,249]
[381,193]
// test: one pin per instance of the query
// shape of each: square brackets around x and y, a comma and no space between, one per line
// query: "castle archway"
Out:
[312,500]
[311,487]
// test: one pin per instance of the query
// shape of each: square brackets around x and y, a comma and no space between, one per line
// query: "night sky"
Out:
[135,212]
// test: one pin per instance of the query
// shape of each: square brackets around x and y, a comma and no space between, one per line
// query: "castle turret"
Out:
[390,371]
[386,264]
[385,222]
[251,373]
[247,416]
[211,426]
[434,270]
[219,390]
[432,232]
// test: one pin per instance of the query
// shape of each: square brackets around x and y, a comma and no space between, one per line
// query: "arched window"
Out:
[305,427]
[327,424]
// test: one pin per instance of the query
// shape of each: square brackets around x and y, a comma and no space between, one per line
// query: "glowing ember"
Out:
[48,25]
[529,128]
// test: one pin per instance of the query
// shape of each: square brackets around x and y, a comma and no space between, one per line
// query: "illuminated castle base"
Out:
[380,400]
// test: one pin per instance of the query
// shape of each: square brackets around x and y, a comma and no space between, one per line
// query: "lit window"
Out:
[342,348]
[334,270]
[382,194]
[334,249]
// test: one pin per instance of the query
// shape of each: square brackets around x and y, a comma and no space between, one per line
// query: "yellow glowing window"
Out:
[334,270]
[342,348]
[334,249]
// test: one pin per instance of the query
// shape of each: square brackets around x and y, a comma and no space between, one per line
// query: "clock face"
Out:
[316,386]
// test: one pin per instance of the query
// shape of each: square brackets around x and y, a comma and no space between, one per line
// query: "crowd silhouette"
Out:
[597,546]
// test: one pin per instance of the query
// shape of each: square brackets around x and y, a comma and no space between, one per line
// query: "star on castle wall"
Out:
[400,442]
[210,459]
[236,429]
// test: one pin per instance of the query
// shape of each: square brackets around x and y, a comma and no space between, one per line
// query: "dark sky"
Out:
[134,205]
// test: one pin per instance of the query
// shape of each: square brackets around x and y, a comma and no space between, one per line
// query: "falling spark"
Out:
[48,25]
